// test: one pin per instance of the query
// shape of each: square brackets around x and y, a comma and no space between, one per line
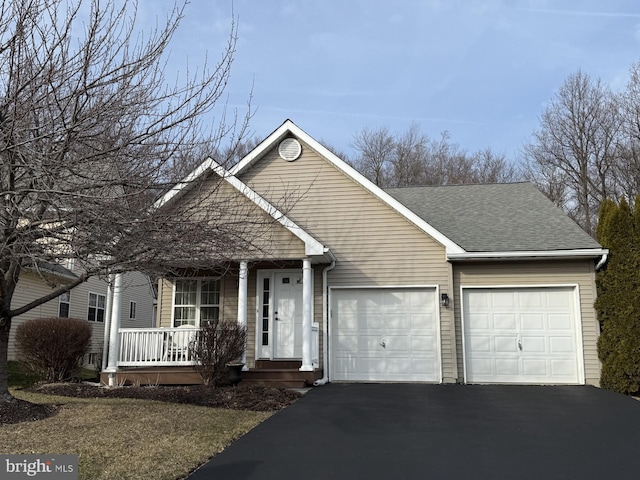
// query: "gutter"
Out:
[556,254]
[325,322]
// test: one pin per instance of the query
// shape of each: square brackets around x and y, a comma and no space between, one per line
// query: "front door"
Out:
[279,314]
[287,314]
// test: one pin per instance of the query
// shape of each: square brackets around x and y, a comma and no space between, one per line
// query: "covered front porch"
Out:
[278,303]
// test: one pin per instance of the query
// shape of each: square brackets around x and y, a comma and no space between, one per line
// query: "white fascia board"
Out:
[312,246]
[558,254]
[289,127]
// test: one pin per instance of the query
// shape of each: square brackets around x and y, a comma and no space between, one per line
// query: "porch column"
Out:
[243,278]
[114,337]
[107,323]
[307,298]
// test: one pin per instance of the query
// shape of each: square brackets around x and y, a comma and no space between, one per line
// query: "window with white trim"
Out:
[196,301]
[64,304]
[132,310]
[95,312]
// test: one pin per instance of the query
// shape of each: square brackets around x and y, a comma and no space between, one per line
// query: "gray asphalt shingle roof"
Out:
[495,218]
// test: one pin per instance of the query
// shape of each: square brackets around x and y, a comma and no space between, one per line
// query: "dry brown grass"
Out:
[128,439]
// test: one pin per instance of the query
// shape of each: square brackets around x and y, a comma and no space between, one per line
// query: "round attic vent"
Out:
[289,149]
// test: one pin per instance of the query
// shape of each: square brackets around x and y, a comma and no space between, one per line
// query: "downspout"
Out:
[325,322]
[603,260]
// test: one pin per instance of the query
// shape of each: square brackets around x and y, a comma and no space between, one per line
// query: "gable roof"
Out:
[290,128]
[513,217]
[312,246]
[471,221]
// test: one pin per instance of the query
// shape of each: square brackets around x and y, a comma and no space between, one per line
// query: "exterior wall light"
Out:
[444,300]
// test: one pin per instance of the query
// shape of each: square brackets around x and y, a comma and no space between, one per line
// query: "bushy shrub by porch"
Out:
[617,304]
[216,345]
[53,348]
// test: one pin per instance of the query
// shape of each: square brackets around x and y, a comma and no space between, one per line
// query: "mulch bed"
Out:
[260,399]
[16,411]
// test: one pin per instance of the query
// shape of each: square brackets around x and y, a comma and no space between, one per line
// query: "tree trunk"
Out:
[5,396]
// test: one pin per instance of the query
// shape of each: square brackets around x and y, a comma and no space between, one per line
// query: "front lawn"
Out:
[120,438]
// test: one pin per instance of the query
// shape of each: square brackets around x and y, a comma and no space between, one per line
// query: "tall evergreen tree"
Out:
[617,306]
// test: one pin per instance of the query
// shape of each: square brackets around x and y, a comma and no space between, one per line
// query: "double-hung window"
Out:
[96,307]
[196,302]
[64,304]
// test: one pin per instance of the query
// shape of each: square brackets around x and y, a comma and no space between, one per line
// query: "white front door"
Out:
[279,314]
[287,315]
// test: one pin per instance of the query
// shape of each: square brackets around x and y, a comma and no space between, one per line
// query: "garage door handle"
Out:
[383,344]
[520,344]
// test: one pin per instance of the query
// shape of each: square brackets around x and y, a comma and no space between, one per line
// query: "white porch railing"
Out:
[145,347]
[156,346]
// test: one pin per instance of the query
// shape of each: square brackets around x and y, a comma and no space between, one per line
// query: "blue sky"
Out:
[482,70]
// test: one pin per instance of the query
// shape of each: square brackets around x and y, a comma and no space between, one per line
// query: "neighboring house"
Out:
[471,284]
[86,301]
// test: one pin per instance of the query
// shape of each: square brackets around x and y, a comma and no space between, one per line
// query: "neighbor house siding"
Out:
[32,287]
[373,244]
[536,273]
[136,288]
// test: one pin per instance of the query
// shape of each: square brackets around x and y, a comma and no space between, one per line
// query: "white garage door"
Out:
[521,335]
[385,335]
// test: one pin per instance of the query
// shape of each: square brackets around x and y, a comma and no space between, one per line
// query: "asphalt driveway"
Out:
[407,431]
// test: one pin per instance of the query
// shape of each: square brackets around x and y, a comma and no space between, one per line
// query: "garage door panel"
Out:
[504,321]
[502,300]
[481,343]
[560,321]
[559,300]
[505,344]
[423,344]
[396,335]
[541,347]
[562,368]
[532,344]
[398,321]
[562,345]
[530,299]
[506,367]
[535,367]
[480,321]
[532,321]
[346,343]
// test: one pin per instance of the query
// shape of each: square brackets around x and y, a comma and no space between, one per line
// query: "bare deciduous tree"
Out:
[375,149]
[88,128]
[412,158]
[576,146]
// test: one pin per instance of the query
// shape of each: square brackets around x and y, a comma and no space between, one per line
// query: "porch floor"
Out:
[275,373]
